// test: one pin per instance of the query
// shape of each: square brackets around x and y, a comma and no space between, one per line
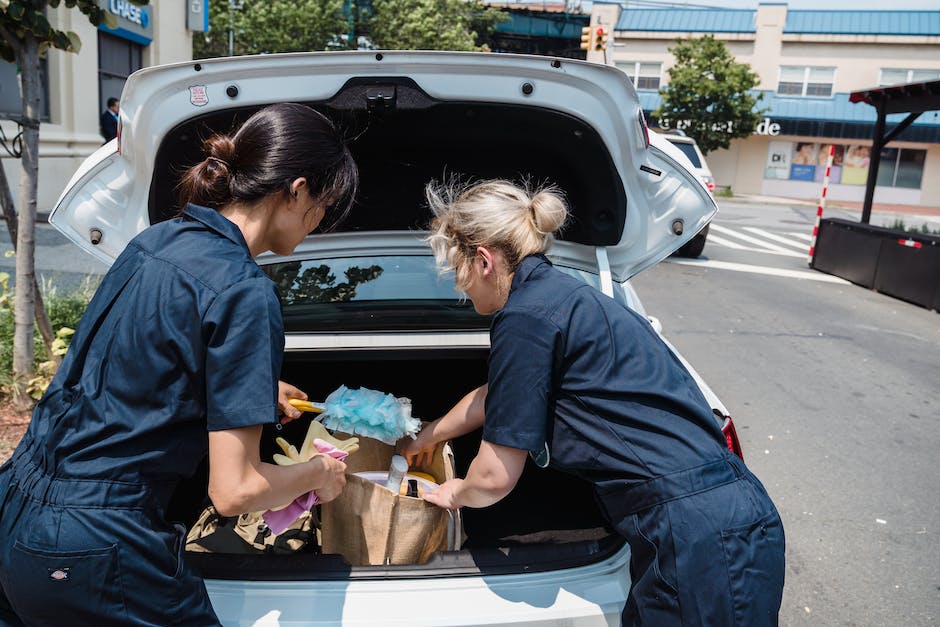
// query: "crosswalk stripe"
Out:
[807,236]
[776,238]
[747,238]
[727,243]
[808,275]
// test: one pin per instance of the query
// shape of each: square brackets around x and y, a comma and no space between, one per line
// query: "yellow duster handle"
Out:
[309,406]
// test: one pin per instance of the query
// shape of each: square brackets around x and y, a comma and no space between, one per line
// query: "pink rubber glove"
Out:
[278,521]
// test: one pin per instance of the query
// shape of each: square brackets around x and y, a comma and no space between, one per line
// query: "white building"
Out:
[77,86]
[808,63]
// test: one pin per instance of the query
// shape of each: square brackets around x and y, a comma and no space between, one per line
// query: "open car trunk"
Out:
[550,520]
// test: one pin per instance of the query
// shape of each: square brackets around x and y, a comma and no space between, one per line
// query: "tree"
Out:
[267,26]
[25,37]
[432,24]
[709,94]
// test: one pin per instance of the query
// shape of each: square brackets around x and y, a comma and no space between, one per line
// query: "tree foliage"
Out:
[432,24]
[261,26]
[20,19]
[267,26]
[709,94]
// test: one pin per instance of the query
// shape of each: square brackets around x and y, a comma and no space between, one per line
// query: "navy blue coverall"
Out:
[183,335]
[571,368]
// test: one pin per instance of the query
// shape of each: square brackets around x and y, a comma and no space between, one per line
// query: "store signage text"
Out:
[766,127]
[130,12]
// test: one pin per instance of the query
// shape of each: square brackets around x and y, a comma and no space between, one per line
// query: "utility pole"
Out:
[232,7]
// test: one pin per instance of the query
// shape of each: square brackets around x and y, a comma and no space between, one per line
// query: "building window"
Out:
[117,59]
[806,161]
[643,75]
[11,100]
[897,76]
[806,81]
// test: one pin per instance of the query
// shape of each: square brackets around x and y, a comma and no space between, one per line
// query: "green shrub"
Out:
[64,312]
[924,229]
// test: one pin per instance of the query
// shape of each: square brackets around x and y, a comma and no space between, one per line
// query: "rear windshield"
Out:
[689,150]
[377,293]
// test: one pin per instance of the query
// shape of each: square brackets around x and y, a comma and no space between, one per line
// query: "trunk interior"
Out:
[551,520]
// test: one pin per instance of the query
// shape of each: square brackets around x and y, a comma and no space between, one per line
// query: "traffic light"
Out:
[587,38]
[600,41]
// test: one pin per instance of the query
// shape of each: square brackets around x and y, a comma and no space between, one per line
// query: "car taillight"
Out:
[709,183]
[731,437]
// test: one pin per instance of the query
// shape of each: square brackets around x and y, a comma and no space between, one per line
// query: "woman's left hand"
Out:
[286,391]
[445,495]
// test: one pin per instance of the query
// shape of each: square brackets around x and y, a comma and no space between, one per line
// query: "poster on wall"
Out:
[835,174]
[855,164]
[804,162]
[778,160]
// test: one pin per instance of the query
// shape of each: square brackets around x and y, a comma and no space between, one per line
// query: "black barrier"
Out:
[897,263]
[848,250]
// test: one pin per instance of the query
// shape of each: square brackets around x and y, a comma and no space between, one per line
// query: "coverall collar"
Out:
[217,222]
[525,269]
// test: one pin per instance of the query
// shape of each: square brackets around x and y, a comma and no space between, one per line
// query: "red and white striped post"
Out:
[822,202]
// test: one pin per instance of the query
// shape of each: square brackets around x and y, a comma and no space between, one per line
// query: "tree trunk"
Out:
[25,299]
[42,317]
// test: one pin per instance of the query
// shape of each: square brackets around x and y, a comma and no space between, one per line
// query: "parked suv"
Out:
[544,555]
[690,149]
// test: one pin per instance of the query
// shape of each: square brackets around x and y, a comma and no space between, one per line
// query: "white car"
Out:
[544,555]
[691,151]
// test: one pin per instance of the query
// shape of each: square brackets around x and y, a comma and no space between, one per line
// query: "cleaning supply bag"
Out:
[369,524]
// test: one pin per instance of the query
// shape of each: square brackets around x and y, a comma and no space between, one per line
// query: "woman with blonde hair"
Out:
[586,385]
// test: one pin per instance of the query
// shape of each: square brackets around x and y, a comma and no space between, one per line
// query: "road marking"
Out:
[777,238]
[807,236]
[717,239]
[742,267]
[753,240]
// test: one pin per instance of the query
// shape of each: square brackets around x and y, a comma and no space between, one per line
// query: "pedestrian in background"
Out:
[108,122]
[177,355]
[585,384]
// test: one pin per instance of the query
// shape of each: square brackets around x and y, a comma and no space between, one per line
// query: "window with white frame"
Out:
[900,76]
[809,81]
[643,75]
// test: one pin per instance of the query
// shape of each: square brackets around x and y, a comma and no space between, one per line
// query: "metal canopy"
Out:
[913,99]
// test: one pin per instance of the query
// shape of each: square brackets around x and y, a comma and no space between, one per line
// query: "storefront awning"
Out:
[910,98]
[913,99]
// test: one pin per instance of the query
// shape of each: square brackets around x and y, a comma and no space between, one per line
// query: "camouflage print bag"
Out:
[248,533]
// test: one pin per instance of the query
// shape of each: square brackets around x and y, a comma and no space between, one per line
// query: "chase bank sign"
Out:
[134,22]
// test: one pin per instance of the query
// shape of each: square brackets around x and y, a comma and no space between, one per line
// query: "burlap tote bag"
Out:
[370,525]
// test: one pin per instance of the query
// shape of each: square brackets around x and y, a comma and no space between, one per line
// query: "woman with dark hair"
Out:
[178,355]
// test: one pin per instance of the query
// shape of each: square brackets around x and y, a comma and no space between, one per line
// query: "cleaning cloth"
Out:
[280,519]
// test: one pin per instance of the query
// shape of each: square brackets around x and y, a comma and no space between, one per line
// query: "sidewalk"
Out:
[890,211]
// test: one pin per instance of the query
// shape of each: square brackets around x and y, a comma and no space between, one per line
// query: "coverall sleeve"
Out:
[245,334]
[520,399]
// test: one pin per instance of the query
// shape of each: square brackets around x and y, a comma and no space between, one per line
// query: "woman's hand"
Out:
[445,495]
[332,473]
[285,392]
[420,451]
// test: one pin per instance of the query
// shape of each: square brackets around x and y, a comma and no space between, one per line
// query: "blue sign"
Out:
[135,23]
[799,172]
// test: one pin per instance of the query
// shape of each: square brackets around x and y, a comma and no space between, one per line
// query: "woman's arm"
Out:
[492,475]
[463,418]
[240,482]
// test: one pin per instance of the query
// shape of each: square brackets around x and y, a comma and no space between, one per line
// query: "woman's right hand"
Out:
[332,477]
[420,451]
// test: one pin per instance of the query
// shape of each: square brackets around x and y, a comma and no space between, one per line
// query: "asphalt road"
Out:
[834,390]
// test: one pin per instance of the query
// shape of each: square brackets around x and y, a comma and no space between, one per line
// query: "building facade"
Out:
[808,63]
[76,87]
